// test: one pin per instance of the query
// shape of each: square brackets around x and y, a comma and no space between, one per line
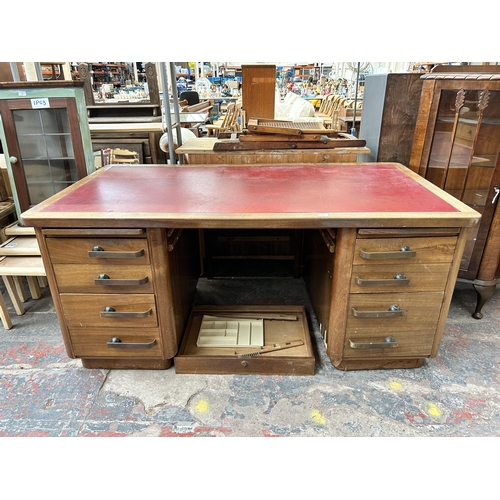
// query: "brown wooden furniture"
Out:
[258,90]
[228,122]
[290,142]
[298,360]
[20,259]
[206,150]
[109,110]
[47,140]
[390,107]
[52,70]
[135,126]
[142,138]
[457,147]
[121,253]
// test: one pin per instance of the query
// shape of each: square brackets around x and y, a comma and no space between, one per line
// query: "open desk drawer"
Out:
[298,360]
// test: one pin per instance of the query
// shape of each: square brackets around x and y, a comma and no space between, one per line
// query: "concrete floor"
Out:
[44,393]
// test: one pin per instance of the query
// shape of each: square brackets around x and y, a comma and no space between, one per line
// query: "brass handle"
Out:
[404,253]
[393,311]
[104,279]
[99,253]
[116,343]
[399,280]
[111,312]
[388,342]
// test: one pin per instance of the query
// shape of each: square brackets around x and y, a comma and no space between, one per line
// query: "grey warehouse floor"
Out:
[44,393]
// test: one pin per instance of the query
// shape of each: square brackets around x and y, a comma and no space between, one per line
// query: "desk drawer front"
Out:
[409,318]
[106,251]
[95,342]
[402,277]
[91,278]
[380,251]
[111,310]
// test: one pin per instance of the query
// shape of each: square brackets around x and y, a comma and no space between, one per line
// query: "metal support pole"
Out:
[353,129]
[176,107]
[38,70]
[14,71]
[166,110]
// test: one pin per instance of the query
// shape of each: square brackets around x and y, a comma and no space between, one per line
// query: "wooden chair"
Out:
[123,156]
[228,123]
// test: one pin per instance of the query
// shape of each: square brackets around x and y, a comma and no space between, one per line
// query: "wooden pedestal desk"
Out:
[381,251]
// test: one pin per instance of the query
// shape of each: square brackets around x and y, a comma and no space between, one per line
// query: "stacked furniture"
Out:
[20,258]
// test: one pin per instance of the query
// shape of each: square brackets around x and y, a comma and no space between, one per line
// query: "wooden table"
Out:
[381,252]
[200,151]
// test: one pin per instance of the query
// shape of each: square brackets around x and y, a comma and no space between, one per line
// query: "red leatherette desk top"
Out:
[191,195]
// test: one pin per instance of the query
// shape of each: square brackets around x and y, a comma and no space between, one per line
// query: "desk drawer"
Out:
[128,310]
[91,278]
[95,342]
[401,276]
[409,318]
[113,250]
[381,251]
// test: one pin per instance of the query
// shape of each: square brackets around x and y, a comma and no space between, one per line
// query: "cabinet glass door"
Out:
[46,146]
[46,151]
[465,151]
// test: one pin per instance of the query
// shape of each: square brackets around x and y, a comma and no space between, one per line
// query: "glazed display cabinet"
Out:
[45,137]
[457,147]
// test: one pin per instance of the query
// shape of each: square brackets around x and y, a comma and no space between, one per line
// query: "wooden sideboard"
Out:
[201,151]
[382,247]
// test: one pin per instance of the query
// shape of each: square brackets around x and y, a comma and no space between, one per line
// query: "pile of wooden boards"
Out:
[276,134]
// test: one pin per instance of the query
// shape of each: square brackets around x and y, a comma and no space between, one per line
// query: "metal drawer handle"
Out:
[116,343]
[104,279]
[111,312]
[99,253]
[404,253]
[393,311]
[398,280]
[387,343]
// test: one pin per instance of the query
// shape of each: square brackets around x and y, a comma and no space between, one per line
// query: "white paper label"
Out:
[40,103]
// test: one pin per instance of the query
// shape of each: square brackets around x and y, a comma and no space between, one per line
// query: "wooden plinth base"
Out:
[127,364]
